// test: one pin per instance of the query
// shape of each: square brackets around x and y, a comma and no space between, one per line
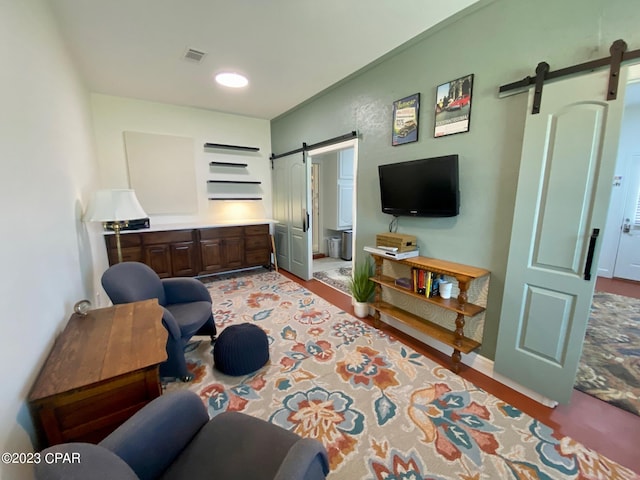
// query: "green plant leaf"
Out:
[360,285]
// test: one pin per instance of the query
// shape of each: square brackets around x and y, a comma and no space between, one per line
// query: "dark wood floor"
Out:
[594,423]
[626,288]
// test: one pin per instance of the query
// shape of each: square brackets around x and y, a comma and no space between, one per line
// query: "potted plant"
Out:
[361,287]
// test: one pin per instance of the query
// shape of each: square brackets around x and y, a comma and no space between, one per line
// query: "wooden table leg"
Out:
[455,359]
[459,331]
[378,294]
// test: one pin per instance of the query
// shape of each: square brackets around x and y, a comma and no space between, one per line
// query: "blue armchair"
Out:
[186,303]
[173,438]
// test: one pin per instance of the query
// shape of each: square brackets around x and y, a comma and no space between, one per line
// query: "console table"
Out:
[102,369]
[463,274]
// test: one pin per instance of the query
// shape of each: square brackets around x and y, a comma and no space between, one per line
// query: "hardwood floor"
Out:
[594,423]
[619,286]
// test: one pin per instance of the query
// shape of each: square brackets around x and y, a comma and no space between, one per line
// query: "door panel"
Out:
[233,252]
[281,241]
[545,323]
[569,171]
[291,206]
[158,257]
[183,260]
[568,157]
[300,238]
[281,213]
[211,255]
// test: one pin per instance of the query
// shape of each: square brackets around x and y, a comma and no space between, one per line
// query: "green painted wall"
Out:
[501,42]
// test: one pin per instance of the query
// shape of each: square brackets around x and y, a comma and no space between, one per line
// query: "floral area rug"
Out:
[337,278]
[382,410]
[610,365]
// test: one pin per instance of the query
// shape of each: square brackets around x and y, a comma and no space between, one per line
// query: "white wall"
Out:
[48,170]
[115,115]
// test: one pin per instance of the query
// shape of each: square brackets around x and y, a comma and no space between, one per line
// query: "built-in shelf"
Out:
[231,147]
[228,164]
[235,198]
[245,182]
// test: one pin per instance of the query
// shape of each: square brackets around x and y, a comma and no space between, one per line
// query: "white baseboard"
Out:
[473,360]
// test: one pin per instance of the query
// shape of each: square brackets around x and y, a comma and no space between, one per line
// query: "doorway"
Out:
[620,255]
[333,199]
[611,351]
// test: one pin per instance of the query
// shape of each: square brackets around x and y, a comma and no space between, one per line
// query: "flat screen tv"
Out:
[421,188]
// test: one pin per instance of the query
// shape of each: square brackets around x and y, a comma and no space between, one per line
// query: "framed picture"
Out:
[453,106]
[405,120]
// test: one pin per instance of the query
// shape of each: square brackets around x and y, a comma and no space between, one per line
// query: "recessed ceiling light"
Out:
[233,80]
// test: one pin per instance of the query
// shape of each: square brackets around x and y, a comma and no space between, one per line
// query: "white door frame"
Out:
[352,143]
[615,215]
[627,255]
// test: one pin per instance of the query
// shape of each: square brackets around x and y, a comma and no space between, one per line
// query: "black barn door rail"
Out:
[619,55]
[306,148]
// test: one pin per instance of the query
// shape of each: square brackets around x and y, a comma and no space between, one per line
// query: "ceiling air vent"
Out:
[194,55]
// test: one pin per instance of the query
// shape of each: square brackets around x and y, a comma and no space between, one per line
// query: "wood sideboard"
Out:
[102,369]
[195,251]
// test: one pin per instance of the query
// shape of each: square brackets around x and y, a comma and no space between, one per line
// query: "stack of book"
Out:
[425,282]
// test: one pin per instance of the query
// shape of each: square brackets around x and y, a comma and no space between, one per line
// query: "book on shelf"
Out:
[425,282]
[403,282]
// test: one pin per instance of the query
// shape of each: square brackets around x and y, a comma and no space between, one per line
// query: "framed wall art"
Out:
[405,120]
[453,106]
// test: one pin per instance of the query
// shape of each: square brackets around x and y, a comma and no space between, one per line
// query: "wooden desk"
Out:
[102,369]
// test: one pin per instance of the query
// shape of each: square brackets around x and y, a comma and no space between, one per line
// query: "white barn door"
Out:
[291,200]
[564,186]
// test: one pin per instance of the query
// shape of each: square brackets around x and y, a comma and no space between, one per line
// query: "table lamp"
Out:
[114,208]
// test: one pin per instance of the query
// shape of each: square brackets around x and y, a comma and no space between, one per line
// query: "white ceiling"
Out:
[289,49]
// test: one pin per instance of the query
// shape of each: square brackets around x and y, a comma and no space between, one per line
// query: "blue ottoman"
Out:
[241,349]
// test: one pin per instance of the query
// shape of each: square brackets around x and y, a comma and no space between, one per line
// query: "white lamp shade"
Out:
[114,206]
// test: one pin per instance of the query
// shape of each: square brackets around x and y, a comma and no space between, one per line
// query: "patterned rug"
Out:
[610,365]
[382,410]
[337,278]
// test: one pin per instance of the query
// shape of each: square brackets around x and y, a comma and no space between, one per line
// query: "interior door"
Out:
[281,212]
[291,194]
[300,201]
[567,163]
[628,258]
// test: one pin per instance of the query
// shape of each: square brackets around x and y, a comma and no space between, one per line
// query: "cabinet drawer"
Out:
[253,242]
[130,254]
[257,257]
[221,232]
[126,240]
[256,230]
[152,238]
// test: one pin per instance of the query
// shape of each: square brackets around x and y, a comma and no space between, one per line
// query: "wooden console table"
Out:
[102,369]
[463,274]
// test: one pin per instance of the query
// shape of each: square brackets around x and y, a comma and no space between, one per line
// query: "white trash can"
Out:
[334,247]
